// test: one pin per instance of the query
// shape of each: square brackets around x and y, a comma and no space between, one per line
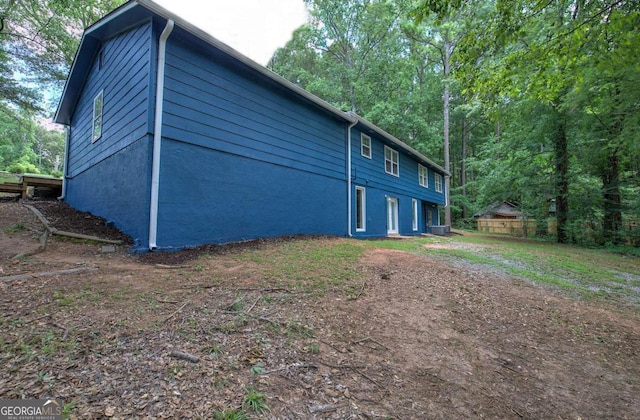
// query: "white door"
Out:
[392,216]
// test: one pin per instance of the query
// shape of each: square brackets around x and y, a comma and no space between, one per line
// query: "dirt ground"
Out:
[414,338]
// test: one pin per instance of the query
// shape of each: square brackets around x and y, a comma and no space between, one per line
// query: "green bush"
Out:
[23,168]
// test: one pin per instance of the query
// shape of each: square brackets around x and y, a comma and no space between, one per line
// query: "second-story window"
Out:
[438,179]
[423,176]
[391,161]
[365,145]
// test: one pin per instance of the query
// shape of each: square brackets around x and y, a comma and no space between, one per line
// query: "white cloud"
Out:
[256,28]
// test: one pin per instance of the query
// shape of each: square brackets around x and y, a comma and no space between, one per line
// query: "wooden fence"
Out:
[513,227]
[589,232]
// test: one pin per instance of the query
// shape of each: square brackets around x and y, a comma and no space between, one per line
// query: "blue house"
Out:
[179,140]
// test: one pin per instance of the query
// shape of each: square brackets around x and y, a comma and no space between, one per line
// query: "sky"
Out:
[256,28]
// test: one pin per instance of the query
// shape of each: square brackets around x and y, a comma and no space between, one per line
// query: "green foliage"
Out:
[229,414]
[441,9]
[254,401]
[55,27]
[574,66]
[28,147]
[22,167]
[38,42]
[256,369]
[355,55]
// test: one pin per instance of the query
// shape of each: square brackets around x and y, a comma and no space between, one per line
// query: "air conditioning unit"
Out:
[443,230]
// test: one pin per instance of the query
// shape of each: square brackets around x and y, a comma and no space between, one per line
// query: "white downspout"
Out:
[157,136]
[349,233]
[446,196]
[65,163]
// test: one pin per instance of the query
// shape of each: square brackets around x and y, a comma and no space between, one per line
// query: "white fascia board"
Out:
[104,21]
[199,33]
[110,17]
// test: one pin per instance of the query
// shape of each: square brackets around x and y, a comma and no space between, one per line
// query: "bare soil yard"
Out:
[299,328]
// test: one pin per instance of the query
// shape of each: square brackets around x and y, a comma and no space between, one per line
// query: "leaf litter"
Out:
[409,337]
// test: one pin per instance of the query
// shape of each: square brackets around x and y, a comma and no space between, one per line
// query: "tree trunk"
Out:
[612,201]
[612,205]
[447,181]
[463,167]
[561,155]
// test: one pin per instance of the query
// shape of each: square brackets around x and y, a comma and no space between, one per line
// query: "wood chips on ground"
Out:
[414,338]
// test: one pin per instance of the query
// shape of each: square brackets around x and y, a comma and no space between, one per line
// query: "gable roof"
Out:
[134,12]
[500,208]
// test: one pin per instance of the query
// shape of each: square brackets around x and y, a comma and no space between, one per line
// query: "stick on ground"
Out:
[184,356]
[175,312]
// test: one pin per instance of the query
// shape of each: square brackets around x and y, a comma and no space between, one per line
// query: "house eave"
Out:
[116,21]
[394,140]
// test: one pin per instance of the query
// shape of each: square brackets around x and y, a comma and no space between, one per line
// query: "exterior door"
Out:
[392,216]
[428,216]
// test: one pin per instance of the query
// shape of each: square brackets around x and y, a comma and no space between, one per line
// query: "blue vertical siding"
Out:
[370,174]
[241,160]
[111,176]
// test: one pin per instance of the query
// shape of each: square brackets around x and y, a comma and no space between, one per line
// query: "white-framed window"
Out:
[438,180]
[423,176]
[414,213]
[391,161]
[98,103]
[365,145]
[361,209]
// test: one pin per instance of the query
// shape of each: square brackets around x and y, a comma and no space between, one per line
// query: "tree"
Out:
[348,36]
[443,37]
[39,41]
[607,93]
[354,55]
[26,146]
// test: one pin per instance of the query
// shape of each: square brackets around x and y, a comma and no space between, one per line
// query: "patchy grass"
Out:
[588,272]
[314,266]
[291,326]
[309,265]
[254,402]
[15,228]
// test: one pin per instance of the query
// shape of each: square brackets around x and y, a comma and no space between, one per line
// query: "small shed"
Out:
[499,210]
[505,218]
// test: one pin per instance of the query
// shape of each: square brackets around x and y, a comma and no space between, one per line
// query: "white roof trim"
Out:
[189,27]
[105,20]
